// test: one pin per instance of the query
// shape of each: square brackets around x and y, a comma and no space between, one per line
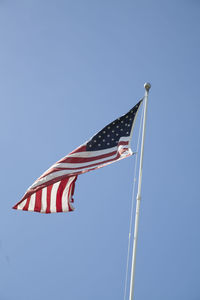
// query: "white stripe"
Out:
[65,199]
[61,173]
[99,152]
[22,204]
[32,202]
[53,196]
[81,165]
[44,200]
[68,172]
[88,154]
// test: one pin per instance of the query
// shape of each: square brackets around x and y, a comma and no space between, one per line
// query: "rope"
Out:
[132,206]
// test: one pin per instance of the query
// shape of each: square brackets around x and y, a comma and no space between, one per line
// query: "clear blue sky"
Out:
[67,68]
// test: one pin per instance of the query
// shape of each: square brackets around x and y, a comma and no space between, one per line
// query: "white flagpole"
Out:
[147,87]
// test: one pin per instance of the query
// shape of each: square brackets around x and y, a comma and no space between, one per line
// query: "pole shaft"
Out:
[147,87]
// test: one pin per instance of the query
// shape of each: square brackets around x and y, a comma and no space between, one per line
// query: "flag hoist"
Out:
[147,87]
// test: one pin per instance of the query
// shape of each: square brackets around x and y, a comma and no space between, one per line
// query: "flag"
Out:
[53,190]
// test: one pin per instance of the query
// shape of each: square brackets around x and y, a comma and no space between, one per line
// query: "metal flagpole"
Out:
[147,87]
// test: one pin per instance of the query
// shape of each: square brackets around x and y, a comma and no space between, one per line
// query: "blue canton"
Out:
[109,136]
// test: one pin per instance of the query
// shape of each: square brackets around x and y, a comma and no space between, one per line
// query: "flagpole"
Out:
[147,87]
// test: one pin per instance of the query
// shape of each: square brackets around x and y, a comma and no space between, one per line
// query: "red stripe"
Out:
[69,159]
[60,190]
[15,206]
[23,199]
[53,170]
[38,197]
[77,160]
[81,159]
[49,188]
[81,171]
[27,203]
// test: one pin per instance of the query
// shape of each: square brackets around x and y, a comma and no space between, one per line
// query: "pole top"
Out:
[147,86]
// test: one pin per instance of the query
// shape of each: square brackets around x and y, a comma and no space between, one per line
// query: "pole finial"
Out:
[147,86]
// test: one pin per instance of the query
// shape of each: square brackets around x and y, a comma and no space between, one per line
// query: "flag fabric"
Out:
[53,190]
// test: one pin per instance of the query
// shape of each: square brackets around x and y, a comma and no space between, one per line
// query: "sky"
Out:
[67,69]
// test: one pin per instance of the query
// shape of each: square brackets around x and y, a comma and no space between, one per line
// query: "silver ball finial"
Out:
[147,86]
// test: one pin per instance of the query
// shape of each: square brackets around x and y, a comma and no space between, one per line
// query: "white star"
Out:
[108,135]
[108,143]
[112,139]
[99,144]
[94,141]
[104,131]
[122,121]
[108,127]
[117,134]
[121,129]
[99,136]
[128,125]
[117,126]
[104,140]
[113,131]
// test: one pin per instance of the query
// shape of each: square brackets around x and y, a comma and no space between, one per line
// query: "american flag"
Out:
[53,190]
